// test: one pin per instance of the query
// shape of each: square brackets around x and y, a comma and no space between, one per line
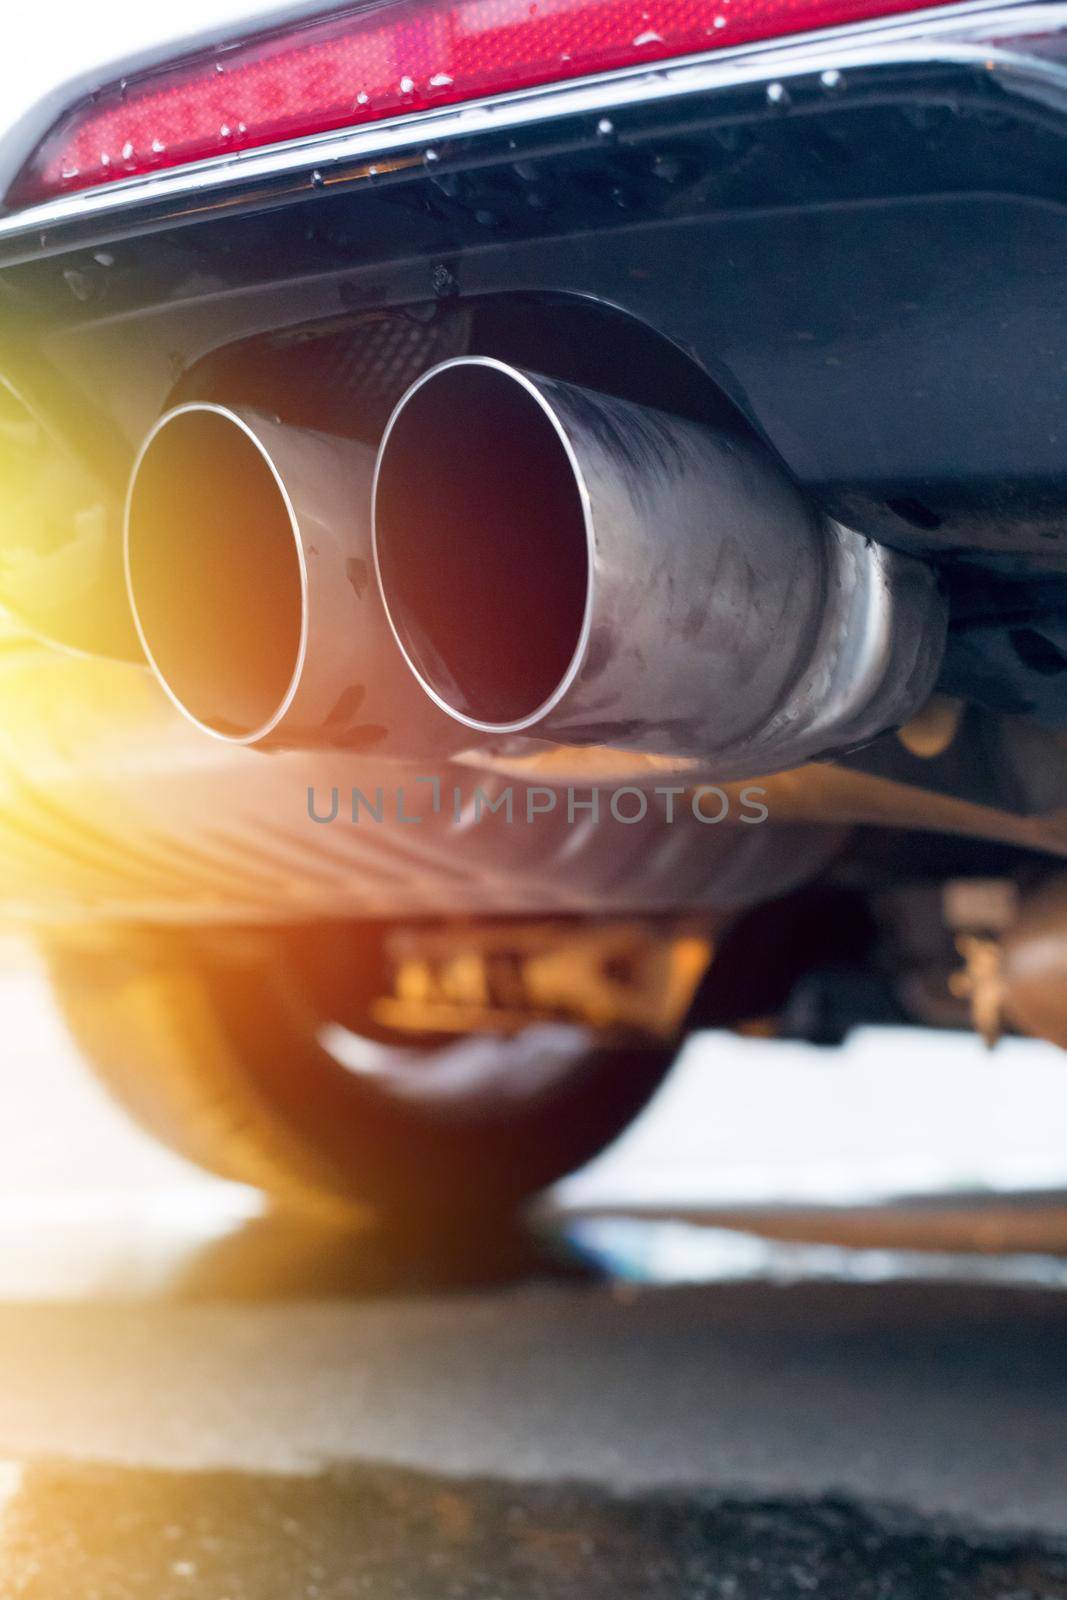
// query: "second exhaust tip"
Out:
[482,540]
[588,570]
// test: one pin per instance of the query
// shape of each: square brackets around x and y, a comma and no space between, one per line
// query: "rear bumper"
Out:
[1007,41]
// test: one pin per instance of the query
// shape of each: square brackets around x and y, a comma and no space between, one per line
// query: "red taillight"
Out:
[360,66]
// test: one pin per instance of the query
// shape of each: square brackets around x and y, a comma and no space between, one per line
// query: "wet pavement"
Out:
[324,1432]
[353,1532]
[204,1401]
[945,1401]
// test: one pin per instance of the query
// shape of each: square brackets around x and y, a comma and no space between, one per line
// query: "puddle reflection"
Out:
[221,1244]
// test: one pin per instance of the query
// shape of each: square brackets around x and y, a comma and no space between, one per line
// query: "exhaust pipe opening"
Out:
[482,544]
[215,572]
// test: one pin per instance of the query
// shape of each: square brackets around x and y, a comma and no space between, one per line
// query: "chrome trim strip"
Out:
[953,34]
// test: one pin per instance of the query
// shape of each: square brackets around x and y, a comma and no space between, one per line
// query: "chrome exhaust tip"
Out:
[249,572]
[483,544]
[216,573]
[585,570]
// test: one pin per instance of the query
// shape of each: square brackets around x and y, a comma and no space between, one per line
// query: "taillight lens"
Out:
[359,66]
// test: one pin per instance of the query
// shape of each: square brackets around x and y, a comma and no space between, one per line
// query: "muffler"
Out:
[584,570]
[250,575]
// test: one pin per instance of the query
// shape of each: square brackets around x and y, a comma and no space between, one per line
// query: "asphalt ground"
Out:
[623,1397]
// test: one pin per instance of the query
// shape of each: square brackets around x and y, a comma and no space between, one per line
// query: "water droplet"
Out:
[441,80]
[219,68]
[127,151]
[224,131]
[105,159]
[778,96]
[242,127]
[158,147]
[605,127]
[407,86]
[832,79]
[430,156]
[362,98]
[69,172]
[317,179]
[80,284]
[104,258]
[719,22]
[650,36]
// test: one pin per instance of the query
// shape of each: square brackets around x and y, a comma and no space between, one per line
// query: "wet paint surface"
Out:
[115,1535]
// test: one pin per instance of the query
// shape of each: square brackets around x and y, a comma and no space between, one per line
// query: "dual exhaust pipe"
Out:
[522,560]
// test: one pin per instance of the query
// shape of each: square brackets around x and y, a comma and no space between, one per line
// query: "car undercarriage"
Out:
[492,589]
